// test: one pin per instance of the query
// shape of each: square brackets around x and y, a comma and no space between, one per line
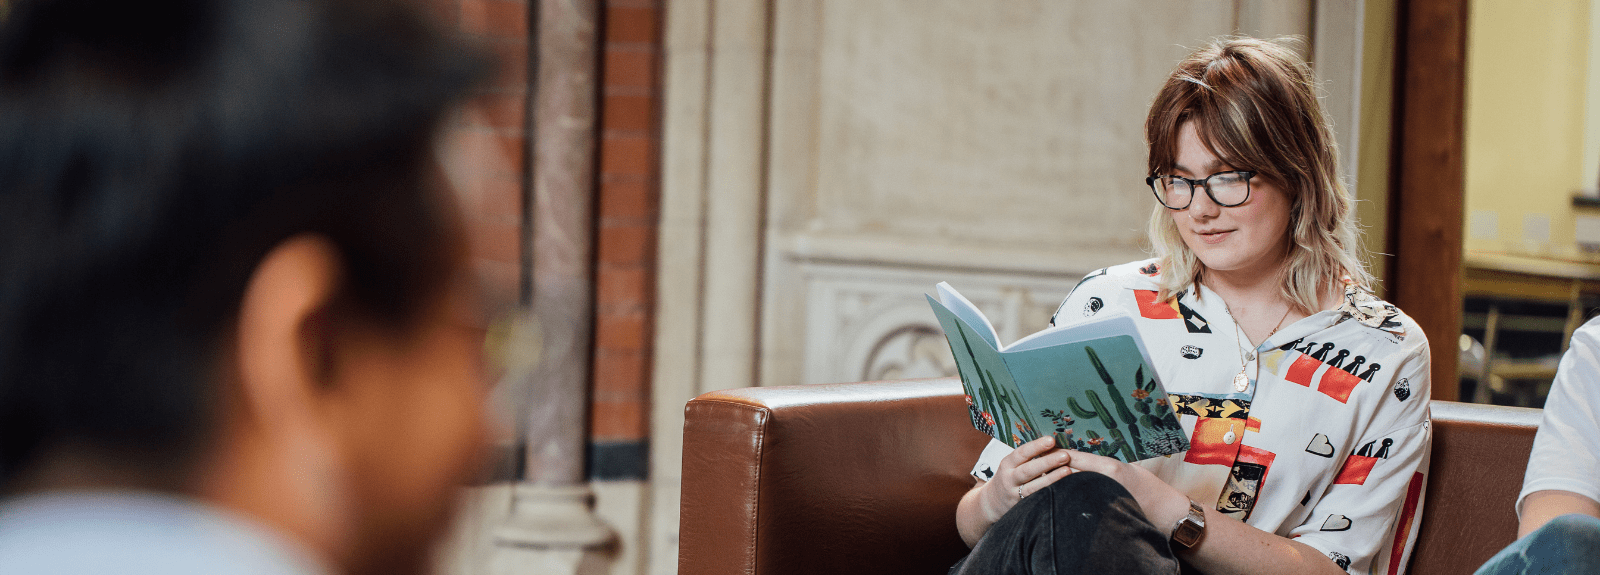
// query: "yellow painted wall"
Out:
[1377,121]
[1527,90]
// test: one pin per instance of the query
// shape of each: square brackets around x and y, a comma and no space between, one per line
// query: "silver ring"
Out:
[1019,493]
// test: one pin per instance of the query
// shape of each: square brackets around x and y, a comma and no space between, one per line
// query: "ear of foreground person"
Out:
[234,331]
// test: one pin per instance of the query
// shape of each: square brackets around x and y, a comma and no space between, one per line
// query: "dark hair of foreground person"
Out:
[220,223]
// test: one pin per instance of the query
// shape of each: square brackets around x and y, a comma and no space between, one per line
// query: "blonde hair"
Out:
[1254,105]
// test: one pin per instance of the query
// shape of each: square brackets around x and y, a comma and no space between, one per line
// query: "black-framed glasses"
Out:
[1227,189]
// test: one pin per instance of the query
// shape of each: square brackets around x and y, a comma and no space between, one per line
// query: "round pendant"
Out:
[1241,382]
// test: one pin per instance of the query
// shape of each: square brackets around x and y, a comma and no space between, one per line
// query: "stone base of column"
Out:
[552,530]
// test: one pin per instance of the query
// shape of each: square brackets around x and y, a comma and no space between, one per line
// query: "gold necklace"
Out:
[1241,381]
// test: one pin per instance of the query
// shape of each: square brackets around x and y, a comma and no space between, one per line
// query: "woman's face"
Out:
[1250,237]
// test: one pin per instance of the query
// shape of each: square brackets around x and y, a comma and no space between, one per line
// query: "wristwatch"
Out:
[1189,529]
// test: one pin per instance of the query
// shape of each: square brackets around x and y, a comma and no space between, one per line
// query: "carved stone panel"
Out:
[872,322]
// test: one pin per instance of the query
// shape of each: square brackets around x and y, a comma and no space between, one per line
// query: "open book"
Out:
[1090,385]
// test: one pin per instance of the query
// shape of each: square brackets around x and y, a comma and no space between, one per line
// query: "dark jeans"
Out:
[1084,523]
[1567,544]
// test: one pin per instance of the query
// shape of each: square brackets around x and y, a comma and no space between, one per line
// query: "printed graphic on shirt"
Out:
[1336,522]
[1337,380]
[1340,559]
[1402,389]
[1271,359]
[1370,311]
[1215,441]
[1191,352]
[1321,353]
[1093,307]
[1402,531]
[1337,383]
[1092,275]
[1192,320]
[1172,308]
[1245,480]
[1359,465]
[1203,406]
[1151,270]
[1320,446]
[1149,308]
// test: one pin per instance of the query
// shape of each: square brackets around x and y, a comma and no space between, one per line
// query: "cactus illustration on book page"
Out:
[1062,382]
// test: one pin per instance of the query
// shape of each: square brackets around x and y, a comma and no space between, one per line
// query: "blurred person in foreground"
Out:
[1558,510]
[233,323]
[1306,393]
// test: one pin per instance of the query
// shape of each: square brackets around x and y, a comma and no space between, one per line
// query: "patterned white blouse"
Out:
[1326,443]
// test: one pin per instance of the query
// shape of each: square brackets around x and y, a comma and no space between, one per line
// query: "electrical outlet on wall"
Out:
[1536,229]
[1587,232]
[1484,225]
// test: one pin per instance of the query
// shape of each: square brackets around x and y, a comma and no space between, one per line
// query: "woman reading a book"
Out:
[1304,396]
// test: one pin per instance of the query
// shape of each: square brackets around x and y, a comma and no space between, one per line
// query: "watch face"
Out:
[1187,534]
[1191,527]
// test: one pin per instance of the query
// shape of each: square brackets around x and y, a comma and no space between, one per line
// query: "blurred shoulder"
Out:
[1587,335]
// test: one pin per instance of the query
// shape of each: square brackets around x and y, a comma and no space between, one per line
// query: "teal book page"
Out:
[1098,396]
[993,400]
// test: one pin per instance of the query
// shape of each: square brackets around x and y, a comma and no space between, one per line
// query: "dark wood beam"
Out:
[1429,178]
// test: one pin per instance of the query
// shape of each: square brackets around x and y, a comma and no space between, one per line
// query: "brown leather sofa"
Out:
[865,477]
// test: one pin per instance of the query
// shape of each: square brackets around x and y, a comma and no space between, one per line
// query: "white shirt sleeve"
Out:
[989,460]
[1369,516]
[1566,451]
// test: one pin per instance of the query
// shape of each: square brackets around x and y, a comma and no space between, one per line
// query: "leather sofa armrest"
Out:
[842,478]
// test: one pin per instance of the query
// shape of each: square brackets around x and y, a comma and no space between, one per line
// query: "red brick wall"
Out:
[490,189]
[492,158]
[626,248]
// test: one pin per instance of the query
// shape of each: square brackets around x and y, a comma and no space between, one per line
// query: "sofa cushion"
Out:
[1479,455]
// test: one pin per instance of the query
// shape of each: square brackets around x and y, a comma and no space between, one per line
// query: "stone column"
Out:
[552,527]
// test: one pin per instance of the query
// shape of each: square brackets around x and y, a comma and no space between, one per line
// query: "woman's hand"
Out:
[1026,470]
[1163,505]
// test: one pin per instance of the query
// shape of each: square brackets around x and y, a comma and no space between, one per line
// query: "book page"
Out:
[962,308]
[993,400]
[1090,385]
[1099,396]
[1108,324]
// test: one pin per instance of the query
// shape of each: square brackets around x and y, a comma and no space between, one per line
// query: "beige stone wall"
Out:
[912,139]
